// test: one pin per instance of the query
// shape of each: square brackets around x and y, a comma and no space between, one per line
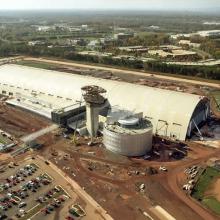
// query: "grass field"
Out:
[204,181]
[208,176]
[36,64]
[212,203]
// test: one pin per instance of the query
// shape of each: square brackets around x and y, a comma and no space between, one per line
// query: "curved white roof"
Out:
[164,108]
[128,121]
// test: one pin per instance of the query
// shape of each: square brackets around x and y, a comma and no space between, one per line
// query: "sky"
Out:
[110,4]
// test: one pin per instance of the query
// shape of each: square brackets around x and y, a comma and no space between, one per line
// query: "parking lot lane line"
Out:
[49,176]
[19,199]
[65,191]
[27,158]
[34,214]
[33,207]
[35,164]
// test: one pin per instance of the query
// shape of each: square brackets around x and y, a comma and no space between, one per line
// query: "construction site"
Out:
[125,139]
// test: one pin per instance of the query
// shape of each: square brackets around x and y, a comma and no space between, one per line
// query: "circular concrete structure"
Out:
[131,140]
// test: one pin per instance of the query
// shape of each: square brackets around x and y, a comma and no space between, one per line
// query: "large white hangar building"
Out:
[172,114]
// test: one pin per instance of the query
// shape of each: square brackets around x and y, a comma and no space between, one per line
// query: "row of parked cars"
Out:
[13,196]
[32,185]
[51,200]
[18,177]
[191,173]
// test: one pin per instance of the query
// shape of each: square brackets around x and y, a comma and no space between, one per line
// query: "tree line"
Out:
[207,72]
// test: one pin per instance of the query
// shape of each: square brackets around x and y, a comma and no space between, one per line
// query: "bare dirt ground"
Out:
[4,157]
[214,189]
[114,181]
[18,122]
[98,171]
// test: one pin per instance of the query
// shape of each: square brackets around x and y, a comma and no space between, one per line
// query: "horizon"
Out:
[119,5]
[207,11]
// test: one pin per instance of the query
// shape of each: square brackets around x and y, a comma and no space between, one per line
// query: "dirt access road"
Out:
[136,73]
[172,181]
[107,189]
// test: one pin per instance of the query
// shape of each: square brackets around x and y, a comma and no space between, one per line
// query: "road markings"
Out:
[49,176]
[36,165]
[16,197]
[33,207]
[65,191]
[34,214]
[27,158]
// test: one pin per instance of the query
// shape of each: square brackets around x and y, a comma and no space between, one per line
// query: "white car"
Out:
[163,168]
[191,182]
[187,187]
[193,175]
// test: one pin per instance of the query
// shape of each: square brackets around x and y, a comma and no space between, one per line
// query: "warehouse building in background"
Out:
[172,114]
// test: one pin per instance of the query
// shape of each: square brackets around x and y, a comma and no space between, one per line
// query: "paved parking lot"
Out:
[32,190]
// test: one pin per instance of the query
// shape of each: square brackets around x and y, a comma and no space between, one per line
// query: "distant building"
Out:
[153,27]
[43,28]
[34,43]
[209,33]
[94,44]
[174,54]
[134,49]
[107,40]
[123,36]
[79,42]
[84,26]
[95,53]
[168,47]
[176,36]
[74,29]
[189,43]
[211,23]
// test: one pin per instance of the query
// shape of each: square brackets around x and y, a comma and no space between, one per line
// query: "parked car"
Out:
[22,204]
